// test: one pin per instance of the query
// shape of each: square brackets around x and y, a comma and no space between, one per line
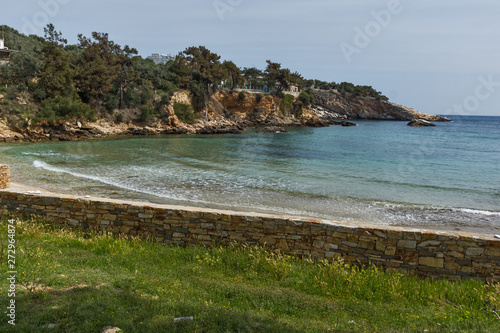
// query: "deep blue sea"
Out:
[382,172]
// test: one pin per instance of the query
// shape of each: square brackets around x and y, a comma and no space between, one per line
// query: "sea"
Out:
[378,172]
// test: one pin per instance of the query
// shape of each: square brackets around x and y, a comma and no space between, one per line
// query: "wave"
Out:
[49,153]
[423,186]
[188,201]
[53,154]
[177,197]
[477,211]
[43,165]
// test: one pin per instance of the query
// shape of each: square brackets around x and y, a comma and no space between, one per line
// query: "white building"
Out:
[161,58]
[4,52]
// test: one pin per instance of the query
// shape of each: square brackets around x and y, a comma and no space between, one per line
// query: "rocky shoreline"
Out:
[227,113]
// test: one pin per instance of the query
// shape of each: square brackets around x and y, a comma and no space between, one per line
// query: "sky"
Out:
[436,56]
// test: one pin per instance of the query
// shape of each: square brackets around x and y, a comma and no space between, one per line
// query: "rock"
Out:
[332,104]
[50,326]
[272,129]
[343,123]
[420,123]
[183,319]
[326,114]
[21,101]
[316,122]
[110,329]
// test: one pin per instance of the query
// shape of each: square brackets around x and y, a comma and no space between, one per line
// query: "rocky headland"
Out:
[227,112]
[330,104]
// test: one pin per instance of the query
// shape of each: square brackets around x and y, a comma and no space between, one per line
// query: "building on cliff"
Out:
[161,58]
[5,52]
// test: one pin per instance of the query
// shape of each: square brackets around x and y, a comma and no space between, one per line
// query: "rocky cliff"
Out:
[227,112]
[330,104]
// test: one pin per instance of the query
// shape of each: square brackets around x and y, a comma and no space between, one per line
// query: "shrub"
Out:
[258,97]
[288,99]
[146,113]
[119,118]
[111,102]
[242,96]
[307,97]
[184,112]
[59,108]
[198,96]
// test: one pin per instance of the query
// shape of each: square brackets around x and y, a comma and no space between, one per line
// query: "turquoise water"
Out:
[378,172]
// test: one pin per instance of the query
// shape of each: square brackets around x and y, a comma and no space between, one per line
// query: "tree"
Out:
[253,76]
[183,70]
[281,79]
[21,69]
[127,73]
[98,66]
[209,67]
[233,72]
[56,75]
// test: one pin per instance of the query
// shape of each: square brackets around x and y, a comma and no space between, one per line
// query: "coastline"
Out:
[195,179]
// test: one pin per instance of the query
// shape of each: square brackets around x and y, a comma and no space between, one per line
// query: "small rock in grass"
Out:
[183,319]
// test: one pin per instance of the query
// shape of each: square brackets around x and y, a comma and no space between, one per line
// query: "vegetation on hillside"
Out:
[49,80]
[82,281]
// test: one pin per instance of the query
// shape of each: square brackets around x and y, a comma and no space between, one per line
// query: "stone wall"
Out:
[4,176]
[419,252]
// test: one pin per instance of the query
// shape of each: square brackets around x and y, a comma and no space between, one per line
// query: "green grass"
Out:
[82,282]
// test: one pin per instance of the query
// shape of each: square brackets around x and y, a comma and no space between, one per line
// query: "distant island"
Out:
[54,91]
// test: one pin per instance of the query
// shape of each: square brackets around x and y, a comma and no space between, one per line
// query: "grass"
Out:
[74,281]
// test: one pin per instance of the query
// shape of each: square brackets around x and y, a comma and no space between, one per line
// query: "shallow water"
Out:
[380,172]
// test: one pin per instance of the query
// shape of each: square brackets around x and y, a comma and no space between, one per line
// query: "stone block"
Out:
[350,244]
[431,262]
[451,265]
[393,234]
[390,251]
[352,238]
[268,241]
[318,244]
[269,225]
[109,217]
[203,237]
[380,233]
[407,244]
[367,245]
[409,257]
[381,245]
[412,236]
[282,244]
[493,252]
[474,251]
[331,246]
[455,254]
[430,243]
[340,235]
